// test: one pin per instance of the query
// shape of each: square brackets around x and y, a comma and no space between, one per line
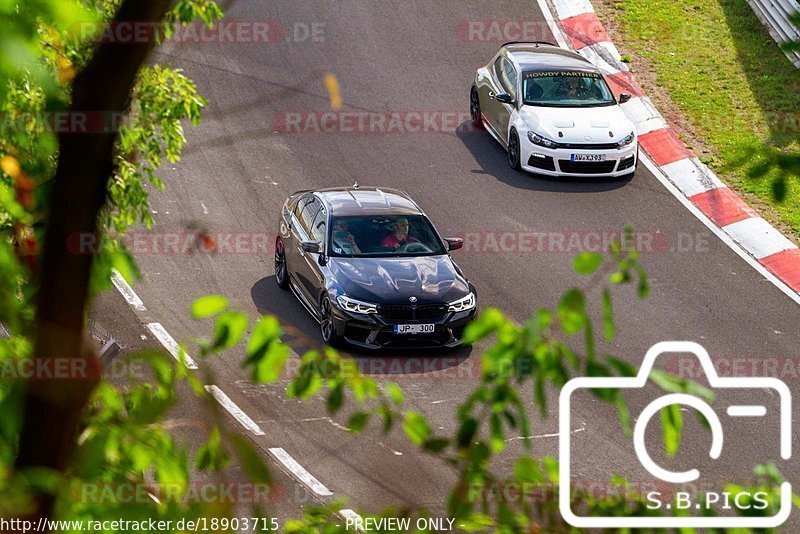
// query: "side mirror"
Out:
[311,246]
[454,243]
[504,98]
[624,97]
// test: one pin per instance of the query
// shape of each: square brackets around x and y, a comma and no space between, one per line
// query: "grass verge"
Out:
[723,83]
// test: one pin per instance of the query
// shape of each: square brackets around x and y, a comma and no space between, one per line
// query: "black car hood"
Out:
[431,279]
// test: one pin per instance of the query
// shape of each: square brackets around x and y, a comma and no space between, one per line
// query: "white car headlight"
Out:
[462,304]
[537,139]
[356,306]
[627,141]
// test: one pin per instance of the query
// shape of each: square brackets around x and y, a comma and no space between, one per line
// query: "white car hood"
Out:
[605,124]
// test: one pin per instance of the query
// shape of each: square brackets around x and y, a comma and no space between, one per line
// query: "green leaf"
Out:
[335,398]
[571,311]
[416,427]
[208,306]
[643,288]
[551,468]
[394,392]
[270,367]
[527,470]
[483,325]
[586,263]
[498,439]
[267,330]
[671,425]
[608,316]
[211,455]
[358,421]
[624,416]
[229,328]
[466,432]
[252,463]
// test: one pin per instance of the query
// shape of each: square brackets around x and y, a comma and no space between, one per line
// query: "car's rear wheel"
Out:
[475,108]
[326,326]
[513,150]
[281,272]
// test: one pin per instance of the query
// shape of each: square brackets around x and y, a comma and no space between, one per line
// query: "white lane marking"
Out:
[747,411]
[170,344]
[759,237]
[205,209]
[299,471]
[661,177]
[126,291]
[548,17]
[234,410]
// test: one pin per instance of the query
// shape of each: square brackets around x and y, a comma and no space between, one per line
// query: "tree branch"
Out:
[53,408]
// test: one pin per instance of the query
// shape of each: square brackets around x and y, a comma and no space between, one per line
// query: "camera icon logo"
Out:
[675,477]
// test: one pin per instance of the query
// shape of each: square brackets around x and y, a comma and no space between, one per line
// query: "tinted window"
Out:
[498,67]
[384,236]
[509,78]
[566,89]
[307,213]
[318,228]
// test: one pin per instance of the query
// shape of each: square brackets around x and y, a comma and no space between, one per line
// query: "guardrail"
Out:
[775,16]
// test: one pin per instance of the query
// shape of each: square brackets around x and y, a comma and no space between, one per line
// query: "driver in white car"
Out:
[399,236]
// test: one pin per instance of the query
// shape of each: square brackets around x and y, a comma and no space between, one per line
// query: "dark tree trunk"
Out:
[53,408]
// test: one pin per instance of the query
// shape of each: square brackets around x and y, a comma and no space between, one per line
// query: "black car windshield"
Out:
[383,236]
[565,89]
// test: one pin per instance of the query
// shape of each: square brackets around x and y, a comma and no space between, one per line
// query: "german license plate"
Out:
[413,328]
[588,157]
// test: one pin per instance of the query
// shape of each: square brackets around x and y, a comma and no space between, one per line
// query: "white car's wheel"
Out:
[513,150]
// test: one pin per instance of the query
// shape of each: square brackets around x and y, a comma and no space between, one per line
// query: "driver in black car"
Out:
[399,236]
[343,239]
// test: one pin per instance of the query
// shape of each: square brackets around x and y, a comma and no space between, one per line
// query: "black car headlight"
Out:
[537,139]
[356,306]
[627,141]
[462,304]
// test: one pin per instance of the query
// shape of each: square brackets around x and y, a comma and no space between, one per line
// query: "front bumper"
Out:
[374,331]
[558,162]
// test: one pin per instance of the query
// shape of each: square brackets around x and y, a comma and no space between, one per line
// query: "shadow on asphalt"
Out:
[492,160]
[302,334]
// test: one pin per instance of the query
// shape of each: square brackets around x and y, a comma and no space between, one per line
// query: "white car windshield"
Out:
[565,89]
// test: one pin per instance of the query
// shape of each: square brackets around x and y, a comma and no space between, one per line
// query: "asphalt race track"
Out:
[411,58]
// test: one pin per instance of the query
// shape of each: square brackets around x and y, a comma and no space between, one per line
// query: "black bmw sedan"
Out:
[371,269]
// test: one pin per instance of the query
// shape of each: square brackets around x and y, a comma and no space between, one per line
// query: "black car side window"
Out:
[307,214]
[319,226]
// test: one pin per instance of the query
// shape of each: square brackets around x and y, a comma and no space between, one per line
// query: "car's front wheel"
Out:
[281,272]
[326,325]
[513,150]
[475,108]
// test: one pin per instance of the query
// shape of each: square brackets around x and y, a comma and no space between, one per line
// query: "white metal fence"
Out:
[775,16]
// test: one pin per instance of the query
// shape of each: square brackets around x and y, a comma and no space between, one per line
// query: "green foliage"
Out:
[124,440]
